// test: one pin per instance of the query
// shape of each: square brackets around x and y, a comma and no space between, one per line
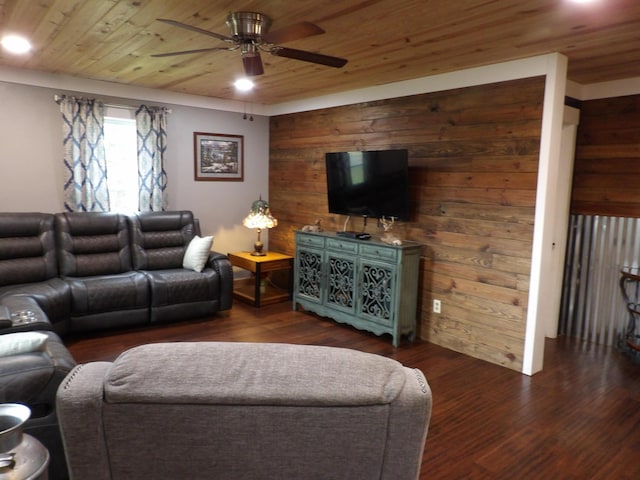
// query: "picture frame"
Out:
[218,157]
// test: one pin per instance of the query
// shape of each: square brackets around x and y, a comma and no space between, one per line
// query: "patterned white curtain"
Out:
[85,186]
[151,124]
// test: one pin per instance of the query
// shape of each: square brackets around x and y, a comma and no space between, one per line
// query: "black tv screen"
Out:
[369,183]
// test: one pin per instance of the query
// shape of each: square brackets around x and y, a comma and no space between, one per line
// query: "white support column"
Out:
[551,311]
[545,224]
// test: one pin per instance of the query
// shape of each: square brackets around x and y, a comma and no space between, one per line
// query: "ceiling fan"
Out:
[250,34]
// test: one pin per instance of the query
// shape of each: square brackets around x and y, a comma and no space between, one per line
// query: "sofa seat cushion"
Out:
[179,286]
[108,293]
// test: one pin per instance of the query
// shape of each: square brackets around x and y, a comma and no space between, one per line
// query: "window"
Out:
[121,151]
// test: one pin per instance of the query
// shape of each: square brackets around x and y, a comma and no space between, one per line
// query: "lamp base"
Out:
[257,248]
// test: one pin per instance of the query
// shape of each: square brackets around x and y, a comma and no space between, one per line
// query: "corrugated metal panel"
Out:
[598,247]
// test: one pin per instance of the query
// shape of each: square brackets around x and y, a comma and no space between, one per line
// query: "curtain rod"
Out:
[58,98]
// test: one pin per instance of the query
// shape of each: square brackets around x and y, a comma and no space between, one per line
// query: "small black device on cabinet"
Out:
[352,234]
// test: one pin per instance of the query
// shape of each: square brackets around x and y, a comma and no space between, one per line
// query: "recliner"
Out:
[29,270]
[244,411]
[94,255]
[159,241]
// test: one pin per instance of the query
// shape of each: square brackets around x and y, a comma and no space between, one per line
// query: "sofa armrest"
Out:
[79,407]
[22,303]
[221,264]
[24,377]
[32,378]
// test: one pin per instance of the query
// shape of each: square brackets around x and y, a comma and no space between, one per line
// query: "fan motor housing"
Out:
[248,25]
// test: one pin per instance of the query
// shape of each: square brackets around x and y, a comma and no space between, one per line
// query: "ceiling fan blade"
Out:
[185,52]
[253,65]
[309,57]
[196,29]
[292,32]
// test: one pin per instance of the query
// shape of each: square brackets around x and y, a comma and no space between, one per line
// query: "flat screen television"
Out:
[372,183]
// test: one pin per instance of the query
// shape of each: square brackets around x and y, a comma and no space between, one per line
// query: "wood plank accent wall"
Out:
[473,157]
[606,178]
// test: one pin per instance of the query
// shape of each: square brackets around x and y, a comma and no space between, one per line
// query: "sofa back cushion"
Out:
[252,374]
[244,410]
[27,248]
[160,239]
[92,243]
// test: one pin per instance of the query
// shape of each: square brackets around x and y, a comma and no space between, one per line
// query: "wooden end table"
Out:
[258,290]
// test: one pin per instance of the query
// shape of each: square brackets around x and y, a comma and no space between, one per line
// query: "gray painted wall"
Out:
[31,170]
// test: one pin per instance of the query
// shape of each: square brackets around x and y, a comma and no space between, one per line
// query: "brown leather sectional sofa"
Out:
[90,271]
[79,272]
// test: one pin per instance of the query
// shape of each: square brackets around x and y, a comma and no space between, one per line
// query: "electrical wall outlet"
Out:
[437,306]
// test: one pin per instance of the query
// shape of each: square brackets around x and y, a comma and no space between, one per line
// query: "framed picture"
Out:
[218,156]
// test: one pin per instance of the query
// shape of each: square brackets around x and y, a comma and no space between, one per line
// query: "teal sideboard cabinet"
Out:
[368,284]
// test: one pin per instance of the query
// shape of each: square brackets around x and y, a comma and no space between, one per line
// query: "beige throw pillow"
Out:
[22,342]
[197,253]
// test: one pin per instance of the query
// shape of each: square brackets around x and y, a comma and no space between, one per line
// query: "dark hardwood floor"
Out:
[577,419]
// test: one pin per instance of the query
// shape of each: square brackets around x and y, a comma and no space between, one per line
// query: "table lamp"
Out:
[259,217]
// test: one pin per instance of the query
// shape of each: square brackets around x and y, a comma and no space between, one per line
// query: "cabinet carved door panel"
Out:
[340,283]
[377,287]
[309,274]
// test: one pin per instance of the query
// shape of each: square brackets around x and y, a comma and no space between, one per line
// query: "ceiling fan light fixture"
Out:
[244,85]
[245,25]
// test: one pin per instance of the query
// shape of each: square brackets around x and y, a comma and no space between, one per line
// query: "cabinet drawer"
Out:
[376,251]
[310,240]
[342,246]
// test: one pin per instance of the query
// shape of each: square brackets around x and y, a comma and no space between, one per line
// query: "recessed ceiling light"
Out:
[244,84]
[15,44]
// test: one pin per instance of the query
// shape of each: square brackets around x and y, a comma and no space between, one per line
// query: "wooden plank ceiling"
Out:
[384,40]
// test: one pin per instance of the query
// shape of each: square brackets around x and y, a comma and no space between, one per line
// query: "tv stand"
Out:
[368,284]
